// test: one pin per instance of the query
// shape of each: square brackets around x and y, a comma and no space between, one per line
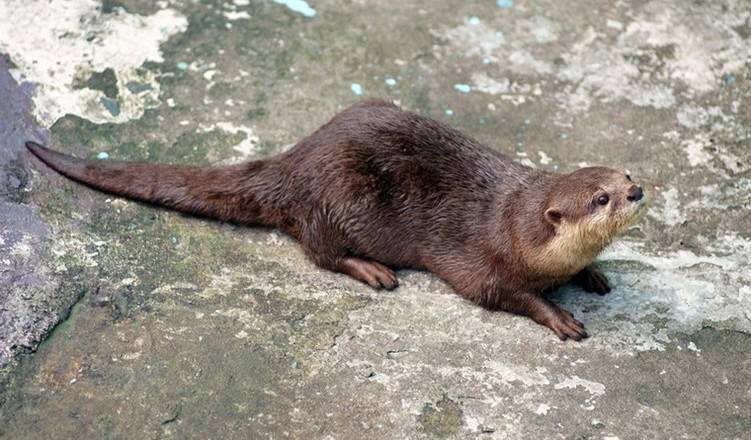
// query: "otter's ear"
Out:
[553,216]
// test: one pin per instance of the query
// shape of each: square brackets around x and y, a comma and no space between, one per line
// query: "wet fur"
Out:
[378,186]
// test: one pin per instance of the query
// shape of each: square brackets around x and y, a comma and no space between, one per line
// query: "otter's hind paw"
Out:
[371,272]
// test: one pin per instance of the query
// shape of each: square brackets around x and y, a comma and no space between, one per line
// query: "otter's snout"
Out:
[635,193]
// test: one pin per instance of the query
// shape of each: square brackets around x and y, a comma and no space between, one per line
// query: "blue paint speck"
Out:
[564,136]
[474,21]
[102,155]
[485,60]
[111,105]
[500,35]
[527,122]
[390,81]
[505,4]
[729,78]
[356,89]
[464,88]
[182,65]
[519,143]
[449,112]
[299,6]
[482,121]
[136,87]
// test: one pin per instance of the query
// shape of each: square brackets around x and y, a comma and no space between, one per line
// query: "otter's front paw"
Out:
[592,280]
[565,326]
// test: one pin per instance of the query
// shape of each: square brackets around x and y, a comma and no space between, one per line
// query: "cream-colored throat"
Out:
[570,250]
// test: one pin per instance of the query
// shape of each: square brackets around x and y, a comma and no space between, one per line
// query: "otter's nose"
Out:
[635,193]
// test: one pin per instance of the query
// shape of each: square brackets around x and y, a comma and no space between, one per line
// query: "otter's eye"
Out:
[603,200]
[628,176]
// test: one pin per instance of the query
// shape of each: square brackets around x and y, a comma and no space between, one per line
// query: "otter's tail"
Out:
[230,193]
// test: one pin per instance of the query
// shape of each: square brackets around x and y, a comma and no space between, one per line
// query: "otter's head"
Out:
[587,209]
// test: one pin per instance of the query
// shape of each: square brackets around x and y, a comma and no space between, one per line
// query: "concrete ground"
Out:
[119,320]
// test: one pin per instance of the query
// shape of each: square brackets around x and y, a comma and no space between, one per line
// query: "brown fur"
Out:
[378,188]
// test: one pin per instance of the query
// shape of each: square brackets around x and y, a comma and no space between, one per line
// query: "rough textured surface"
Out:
[180,327]
[29,305]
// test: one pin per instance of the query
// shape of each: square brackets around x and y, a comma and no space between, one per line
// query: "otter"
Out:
[379,188]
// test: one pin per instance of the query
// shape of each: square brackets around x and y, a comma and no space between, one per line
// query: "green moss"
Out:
[194,148]
[222,90]
[256,114]
[162,249]
[71,131]
[441,419]
[134,141]
[267,148]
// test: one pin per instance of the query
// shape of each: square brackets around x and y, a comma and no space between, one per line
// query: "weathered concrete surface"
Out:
[27,308]
[186,328]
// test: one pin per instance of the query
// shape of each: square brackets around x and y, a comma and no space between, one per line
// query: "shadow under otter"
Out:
[378,188]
